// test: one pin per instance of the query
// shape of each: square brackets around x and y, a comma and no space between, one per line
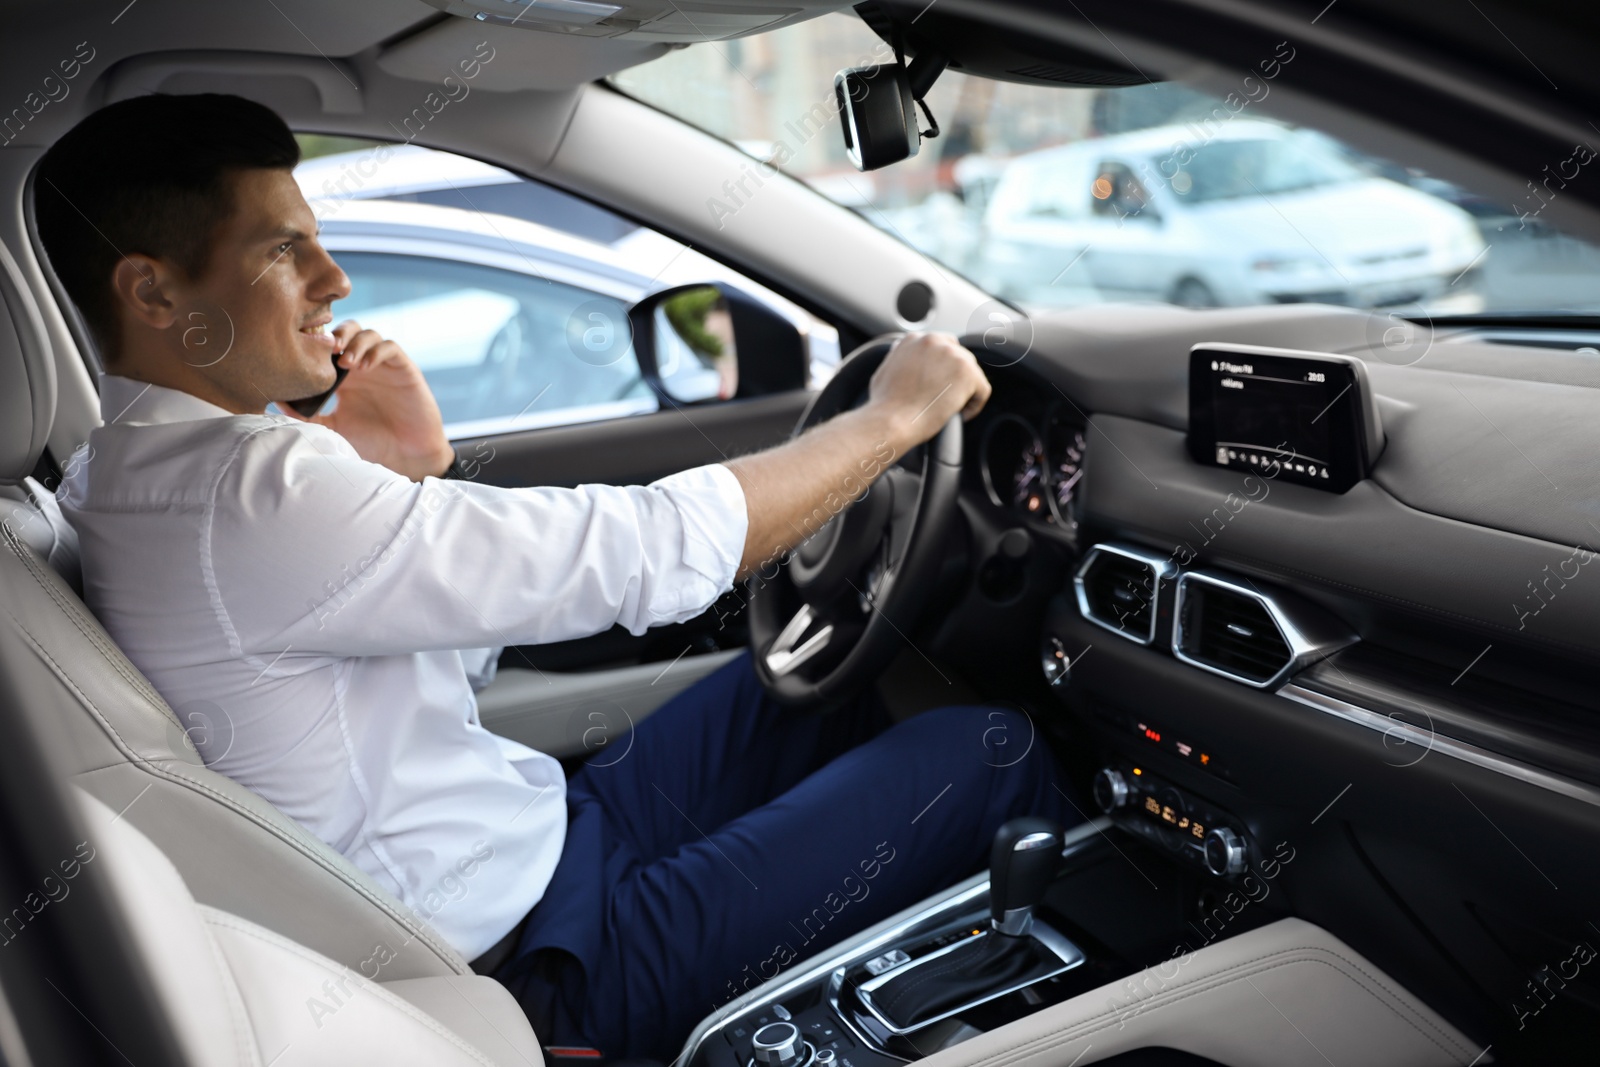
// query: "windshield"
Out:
[1062,196]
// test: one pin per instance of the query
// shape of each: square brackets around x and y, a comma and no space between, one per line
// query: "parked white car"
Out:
[1247,212]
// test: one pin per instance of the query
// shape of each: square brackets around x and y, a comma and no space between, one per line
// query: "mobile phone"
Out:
[310,405]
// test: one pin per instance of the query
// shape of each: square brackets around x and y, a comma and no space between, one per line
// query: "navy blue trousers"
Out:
[726,837]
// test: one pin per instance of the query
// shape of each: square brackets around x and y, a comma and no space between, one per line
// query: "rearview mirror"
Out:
[698,343]
[878,108]
[878,114]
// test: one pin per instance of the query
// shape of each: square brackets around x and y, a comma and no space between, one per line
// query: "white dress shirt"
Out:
[302,610]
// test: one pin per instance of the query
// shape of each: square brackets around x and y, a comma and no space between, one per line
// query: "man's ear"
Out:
[144,287]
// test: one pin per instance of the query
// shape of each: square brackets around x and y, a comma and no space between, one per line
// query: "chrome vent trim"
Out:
[1159,568]
[1301,649]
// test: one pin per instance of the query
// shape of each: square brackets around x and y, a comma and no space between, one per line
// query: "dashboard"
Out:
[1387,675]
[1257,589]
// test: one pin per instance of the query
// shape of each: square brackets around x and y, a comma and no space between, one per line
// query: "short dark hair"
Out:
[149,176]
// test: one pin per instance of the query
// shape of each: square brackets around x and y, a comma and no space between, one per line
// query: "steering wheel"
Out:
[828,620]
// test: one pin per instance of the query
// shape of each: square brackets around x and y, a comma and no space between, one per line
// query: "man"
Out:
[305,588]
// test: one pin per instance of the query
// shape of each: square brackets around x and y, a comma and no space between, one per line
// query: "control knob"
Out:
[1110,790]
[778,1045]
[1225,853]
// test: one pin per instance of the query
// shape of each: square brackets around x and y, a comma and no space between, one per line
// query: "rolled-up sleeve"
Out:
[311,547]
[712,521]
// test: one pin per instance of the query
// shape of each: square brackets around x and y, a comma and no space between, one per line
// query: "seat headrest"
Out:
[27,376]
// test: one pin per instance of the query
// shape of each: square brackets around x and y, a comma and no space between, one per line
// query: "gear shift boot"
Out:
[1016,951]
[970,972]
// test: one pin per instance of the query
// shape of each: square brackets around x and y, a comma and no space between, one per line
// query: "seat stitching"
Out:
[244,1034]
[25,556]
[218,917]
[1227,977]
[456,989]
[113,655]
[150,767]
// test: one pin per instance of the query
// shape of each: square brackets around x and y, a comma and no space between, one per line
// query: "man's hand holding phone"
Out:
[386,410]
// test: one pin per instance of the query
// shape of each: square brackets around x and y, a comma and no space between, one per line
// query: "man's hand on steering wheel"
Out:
[924,380]
[928,377]
[826,623]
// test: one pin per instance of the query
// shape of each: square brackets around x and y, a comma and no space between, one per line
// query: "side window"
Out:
[500,348]
[511,295]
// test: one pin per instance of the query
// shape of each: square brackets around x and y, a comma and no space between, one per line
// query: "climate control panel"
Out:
[1173,818]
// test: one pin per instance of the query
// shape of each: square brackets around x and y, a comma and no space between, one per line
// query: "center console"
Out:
[903,1002]
[908,987]
[1112,959]
[970,960]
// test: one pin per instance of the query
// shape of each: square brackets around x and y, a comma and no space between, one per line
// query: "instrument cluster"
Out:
[1033,468]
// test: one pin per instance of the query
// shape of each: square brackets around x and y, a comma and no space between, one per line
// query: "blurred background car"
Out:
[1247,213]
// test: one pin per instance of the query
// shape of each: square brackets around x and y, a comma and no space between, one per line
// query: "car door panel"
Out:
[576,714]
[635,450]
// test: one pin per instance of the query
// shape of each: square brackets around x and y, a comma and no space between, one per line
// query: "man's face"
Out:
[265,297]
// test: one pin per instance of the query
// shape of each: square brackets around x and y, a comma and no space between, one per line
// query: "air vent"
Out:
[1238,632]
[1119,588]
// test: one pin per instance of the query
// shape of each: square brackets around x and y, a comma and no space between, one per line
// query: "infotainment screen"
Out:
[1299,417]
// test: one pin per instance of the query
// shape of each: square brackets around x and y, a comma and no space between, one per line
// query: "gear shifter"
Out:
[1021,866]
[985,965]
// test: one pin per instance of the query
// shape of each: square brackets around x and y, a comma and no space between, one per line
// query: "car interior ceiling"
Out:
[1338,751]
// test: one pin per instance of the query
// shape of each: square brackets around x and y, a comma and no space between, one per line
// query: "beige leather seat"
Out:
[236,852]
[236,994]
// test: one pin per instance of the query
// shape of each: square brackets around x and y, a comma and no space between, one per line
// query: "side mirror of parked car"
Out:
[698,343]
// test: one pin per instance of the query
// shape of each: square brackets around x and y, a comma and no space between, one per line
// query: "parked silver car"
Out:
[510,294]
[1250,213]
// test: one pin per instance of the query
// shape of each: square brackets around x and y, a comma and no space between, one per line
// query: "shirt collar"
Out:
[127,402]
